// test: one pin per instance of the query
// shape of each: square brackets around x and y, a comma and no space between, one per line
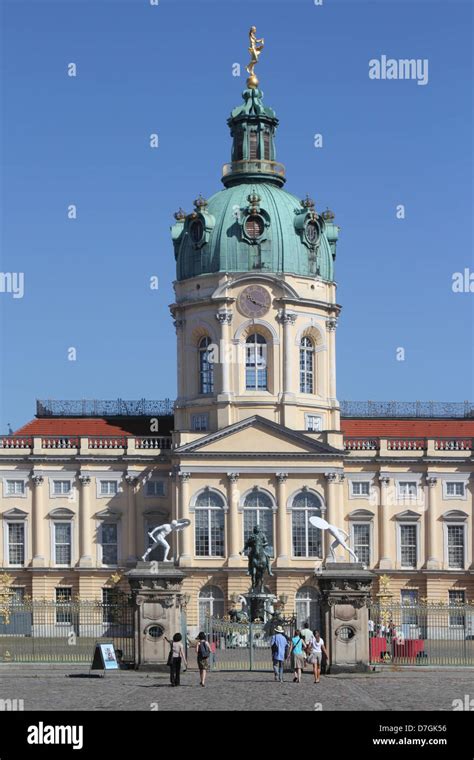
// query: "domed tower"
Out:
[255,310]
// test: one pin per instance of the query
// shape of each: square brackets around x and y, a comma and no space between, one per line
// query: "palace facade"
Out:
[255,436]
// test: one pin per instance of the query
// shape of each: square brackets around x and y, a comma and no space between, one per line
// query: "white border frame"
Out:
[55,521]
[399,543]
[6,544]
[112,477]
[446,525]
[23,495]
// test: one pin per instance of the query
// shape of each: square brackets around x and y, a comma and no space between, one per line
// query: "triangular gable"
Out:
[258,435]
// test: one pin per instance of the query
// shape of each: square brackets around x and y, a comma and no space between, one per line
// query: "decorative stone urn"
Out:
[159,611]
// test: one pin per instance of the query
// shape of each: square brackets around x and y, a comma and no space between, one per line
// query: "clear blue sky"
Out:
[168,69]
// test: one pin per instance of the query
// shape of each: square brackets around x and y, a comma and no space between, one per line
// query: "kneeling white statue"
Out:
[158,536]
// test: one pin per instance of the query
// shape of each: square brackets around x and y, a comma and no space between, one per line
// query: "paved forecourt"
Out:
[68,687]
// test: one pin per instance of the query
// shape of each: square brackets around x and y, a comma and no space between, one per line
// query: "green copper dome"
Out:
[253,224]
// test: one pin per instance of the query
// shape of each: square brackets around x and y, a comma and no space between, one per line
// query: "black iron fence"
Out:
[407,408]
[421,634]
[45,631]
[242,646]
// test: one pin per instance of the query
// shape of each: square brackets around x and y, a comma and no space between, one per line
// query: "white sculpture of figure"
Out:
[158,535]
[339,535]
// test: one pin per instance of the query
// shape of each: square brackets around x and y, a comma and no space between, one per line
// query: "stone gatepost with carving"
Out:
[345,593]
[160,611]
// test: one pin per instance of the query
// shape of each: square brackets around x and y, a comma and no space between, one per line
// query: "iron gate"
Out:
[46,631]
[241,646]
[421,634]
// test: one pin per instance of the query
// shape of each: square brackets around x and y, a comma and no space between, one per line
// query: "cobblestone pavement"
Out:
[69,687]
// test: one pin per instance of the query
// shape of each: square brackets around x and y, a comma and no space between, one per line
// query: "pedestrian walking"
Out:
[203,651]
[296,648]
[306,632]
[316,649]
[280,652]
[176,657]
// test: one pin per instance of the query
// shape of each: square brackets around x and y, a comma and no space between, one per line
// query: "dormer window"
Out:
[254,227]
[197,231]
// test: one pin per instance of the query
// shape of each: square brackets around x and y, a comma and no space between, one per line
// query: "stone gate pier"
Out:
[160,611]
[345,592]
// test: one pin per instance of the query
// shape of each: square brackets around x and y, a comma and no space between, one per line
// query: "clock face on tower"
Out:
[254,301]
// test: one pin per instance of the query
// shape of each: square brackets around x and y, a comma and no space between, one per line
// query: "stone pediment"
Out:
[257,436]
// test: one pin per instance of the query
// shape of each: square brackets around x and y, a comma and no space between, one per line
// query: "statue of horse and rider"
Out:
[258,558]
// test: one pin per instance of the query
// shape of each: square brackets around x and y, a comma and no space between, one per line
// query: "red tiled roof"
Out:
[58,426]
[413,428]
[421,428]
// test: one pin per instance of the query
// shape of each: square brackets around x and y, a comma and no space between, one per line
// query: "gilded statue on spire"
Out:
[255,49]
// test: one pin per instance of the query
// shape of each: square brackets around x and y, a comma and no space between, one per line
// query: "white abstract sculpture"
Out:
[158,535]
[339,534]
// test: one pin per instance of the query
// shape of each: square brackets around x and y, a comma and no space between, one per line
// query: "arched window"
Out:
[306,538]
[209,524]
[306,366]
[258,511]
[206,367]
[307,608]
[211,602]
[256,363]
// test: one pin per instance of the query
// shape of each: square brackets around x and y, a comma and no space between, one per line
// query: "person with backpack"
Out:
[280,652]
[203,651]
[297,649]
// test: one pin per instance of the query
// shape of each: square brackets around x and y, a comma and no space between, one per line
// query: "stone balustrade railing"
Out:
[52,444]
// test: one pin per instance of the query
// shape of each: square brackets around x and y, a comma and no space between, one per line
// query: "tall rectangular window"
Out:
[457,599]
[266,145]
[408,545]
[361,533]
[63,604]
[62,543]
[455,546]
[253,145]
[15,487]
[16,543]
[109,538]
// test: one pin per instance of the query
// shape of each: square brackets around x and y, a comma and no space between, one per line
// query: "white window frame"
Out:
[108,477]
[370,523]
[458,524]
[317,417]
[58,478]
[353,495]
[203,417]
[6,541]
[100,555]
[155,495]
[447,496]
[408,497]
[401,523]
[54,522]
[108,481]
[7,495]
